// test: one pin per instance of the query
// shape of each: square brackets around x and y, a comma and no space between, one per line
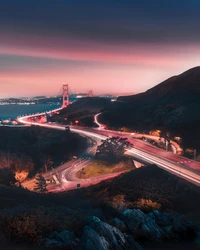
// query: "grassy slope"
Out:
[98,168]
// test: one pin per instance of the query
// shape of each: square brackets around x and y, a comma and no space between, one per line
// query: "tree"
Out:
[47,163]
[6,159]
[113,148]
[40,184]
[7,177]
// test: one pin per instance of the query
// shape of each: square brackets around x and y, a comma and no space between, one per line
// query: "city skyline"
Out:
[109,47]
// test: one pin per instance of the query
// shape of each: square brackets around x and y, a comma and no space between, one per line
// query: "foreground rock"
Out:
[116,222]
[102,236]
[60,240]
[154,227]
[158,226]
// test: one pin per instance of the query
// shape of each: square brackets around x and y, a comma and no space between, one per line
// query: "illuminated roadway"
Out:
[66,173]
[178,165]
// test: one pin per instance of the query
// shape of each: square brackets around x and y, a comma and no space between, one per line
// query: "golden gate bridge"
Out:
[65,93]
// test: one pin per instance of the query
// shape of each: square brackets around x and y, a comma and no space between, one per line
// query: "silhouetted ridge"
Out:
[187,82]
[172,105]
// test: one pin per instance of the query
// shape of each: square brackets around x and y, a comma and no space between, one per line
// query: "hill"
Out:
[172,105]
[185,85]
[37,216]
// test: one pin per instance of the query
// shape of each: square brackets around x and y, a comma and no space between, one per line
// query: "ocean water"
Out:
[12,111]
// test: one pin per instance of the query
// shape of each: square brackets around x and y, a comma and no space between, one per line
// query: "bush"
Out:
[7,177]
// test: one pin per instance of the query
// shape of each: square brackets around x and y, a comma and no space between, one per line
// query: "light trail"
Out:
[146,153]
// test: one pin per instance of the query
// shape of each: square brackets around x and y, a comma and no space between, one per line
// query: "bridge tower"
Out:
[65,95]
[90,93]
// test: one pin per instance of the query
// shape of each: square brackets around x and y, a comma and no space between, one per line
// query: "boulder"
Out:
[134,218]
[162,219]
[183,228]
[116,222]
[113,236]
[150,230]
[142,225]
[90,240]
[197,240]
[157,226]
[101,235]
[64,239]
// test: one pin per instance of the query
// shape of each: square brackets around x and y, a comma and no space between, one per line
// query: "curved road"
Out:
[66,173]
[178,165]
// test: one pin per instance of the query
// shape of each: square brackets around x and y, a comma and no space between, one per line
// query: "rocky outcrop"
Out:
[116,222]
[60,240]
[99,235]
[197,240]
[157,226]
[92,240]
[183,228]
[142,225]
[102,236]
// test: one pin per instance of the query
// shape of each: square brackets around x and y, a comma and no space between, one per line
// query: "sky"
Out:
[110,46]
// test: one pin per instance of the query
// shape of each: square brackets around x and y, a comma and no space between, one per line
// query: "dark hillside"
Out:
[147,188]
[186,85]
[28,148]
[83,110]
[27,217]
[173,105]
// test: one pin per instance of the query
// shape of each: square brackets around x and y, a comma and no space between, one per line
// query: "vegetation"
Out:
[153,184]
[28,217]
[33,149]
[7,177]
[102,167]
[113,149]
[40,184]
[171,106]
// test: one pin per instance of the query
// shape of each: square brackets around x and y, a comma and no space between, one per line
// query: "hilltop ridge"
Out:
[172,105]
[187,82]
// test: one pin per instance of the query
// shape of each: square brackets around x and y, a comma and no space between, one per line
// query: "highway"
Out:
[66,173]
[175,164]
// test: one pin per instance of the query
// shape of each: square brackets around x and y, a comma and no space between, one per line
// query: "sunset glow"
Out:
[37,57]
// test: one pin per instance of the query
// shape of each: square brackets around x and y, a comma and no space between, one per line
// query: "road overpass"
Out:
[175,164]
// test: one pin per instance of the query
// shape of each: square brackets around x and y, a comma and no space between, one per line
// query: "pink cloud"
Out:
[122,68]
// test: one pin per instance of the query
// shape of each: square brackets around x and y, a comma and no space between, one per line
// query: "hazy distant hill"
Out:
[173,104]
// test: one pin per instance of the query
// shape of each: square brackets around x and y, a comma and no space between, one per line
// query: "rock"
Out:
[183,228]
[92,241]
[157,226]
[134,218]
[197,239]
[150,230]
[119,224]
[142,225]
[113,236]
[168,232]
[64,239]
[162,219]
[100,235]
[52,244]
